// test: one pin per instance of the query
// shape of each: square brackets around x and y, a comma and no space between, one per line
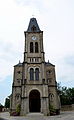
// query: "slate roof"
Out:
[48,63]
[19,64]
[33,24]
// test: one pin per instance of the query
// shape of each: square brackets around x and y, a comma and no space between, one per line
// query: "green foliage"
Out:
[66,95]
[18,108]
[1,106]
[52,110]
[7,103]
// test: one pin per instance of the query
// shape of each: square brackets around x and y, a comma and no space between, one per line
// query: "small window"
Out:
[18,81]
[36,47]
[33,28]
[31,47]
[17,96]
[19,72]
[51,97]
[49,72]
[49,80]
[30,59]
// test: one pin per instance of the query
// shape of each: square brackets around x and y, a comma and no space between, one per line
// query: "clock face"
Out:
[34,38]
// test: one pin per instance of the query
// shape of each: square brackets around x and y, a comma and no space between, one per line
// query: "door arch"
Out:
[34,101]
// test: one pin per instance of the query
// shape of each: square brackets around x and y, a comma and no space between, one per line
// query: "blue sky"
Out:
[55,18]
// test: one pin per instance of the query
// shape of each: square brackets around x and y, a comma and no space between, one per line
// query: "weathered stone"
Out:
[34,81]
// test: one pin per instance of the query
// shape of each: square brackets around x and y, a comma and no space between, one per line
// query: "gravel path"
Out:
[68,115]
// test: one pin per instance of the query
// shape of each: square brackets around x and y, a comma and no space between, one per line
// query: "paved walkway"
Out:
[68,115]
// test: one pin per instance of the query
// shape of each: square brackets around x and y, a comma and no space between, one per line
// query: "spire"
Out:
[33,26]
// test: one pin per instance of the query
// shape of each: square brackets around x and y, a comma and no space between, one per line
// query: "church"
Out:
[34,85]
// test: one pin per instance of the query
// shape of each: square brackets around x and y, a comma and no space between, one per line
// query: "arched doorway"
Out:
[34,101]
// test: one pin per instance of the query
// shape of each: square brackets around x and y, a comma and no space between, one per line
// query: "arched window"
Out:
[31,47]
[51,97]
[17,96]
[37,74]
[36,47]
[31,74]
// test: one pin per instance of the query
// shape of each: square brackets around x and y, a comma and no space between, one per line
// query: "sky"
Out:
[55,18]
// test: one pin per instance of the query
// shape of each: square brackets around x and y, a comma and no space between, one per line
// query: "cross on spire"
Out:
[33,15]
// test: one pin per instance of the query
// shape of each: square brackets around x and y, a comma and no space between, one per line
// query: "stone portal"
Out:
[34,101]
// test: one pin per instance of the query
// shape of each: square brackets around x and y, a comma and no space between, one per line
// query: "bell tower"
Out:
[34,52]
[33,72]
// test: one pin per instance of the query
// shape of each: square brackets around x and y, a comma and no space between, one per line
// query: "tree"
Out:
[7,103]
[66,95]
[1,106]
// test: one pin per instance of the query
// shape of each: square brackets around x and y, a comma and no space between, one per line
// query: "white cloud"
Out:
[55,18]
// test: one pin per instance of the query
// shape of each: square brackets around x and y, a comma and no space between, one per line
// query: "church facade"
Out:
[34,83]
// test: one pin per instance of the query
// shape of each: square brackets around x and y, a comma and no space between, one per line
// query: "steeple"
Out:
[33,26]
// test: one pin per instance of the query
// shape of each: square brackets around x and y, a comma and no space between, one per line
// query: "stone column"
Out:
[45,106]
[24,106]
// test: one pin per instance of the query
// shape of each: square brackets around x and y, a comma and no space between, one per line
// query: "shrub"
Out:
[52,110]
[18,109]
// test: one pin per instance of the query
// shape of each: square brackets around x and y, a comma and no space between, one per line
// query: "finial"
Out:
[33,16]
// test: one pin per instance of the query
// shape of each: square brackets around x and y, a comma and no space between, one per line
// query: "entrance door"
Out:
[34,101]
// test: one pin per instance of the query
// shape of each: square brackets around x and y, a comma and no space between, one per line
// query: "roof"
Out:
[33,26]
[48,63]
[19,64]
